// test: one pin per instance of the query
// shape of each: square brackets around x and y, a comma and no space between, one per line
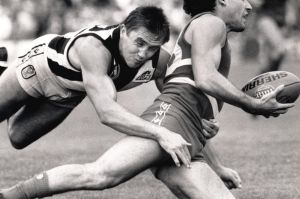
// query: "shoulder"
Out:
[88,41]
[209,27]
[88,52]
[210,23]
[90,46]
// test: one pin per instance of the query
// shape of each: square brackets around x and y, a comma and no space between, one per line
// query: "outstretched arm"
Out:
[102,93]
[229,176]
[207,52]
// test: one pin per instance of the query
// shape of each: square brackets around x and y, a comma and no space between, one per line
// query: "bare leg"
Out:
[33,121]
[121,162]
[29,118]
[198,182]
[12,95]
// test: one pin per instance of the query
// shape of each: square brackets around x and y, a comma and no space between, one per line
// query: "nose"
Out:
[248,7]
[142,53]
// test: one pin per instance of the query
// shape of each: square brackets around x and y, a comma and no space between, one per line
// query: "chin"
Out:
[240,28]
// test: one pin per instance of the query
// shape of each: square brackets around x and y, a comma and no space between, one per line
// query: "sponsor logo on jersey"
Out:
[145,73]
[160,115]
[28,72]
[146,76]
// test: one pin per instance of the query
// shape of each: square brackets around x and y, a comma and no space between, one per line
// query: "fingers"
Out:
[229,185]
[188,155]
[175,159]
[181,154]
[237,181]
[210,128]
[206,134]
[231,179]
[285,105]
[177,147]
[184,157]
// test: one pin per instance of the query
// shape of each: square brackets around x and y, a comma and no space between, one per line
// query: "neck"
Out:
[219,13]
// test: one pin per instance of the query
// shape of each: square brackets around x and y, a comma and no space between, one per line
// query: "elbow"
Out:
[203,84]
[105,118]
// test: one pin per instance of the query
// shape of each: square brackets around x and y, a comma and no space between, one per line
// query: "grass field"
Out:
[266,152]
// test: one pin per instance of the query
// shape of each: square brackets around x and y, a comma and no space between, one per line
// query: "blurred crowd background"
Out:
[24,20]
[28,19]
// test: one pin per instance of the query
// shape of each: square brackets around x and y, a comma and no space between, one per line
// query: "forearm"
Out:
[118,118]
[211,156]
[219,87]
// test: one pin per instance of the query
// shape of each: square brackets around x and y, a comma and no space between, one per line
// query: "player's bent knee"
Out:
[17,137]
[98,177]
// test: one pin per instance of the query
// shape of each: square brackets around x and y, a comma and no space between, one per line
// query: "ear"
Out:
[222,2]
[123,29]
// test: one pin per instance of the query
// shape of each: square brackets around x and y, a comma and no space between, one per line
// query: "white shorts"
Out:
[36,78]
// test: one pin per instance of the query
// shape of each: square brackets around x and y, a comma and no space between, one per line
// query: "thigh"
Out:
[129,157]
[197,182]
[12,95]
[34,120]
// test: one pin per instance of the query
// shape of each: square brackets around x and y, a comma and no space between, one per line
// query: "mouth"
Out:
[138,61]
[246,15]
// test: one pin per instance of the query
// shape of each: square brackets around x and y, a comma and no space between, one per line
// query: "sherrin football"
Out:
[267,82]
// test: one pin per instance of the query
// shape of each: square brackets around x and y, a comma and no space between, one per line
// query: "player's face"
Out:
[138,46]
[238,11]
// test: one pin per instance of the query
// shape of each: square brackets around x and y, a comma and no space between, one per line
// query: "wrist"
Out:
[219,169]
[159,133]
[249,104]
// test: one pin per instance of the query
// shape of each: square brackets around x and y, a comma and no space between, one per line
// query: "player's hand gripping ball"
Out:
[268,82]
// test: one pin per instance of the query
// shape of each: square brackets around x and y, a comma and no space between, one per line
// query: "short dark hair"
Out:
[150,17]
[194,7]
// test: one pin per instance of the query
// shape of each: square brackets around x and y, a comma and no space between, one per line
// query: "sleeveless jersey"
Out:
[120,73]
[180,71]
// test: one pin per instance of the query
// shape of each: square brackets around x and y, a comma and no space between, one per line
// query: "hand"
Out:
[268,105]
[210,128]
[176,146]
[230,177]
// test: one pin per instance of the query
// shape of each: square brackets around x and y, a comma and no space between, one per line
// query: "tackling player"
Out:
[57,71]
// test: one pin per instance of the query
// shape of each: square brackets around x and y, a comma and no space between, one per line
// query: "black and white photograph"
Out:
[149,99]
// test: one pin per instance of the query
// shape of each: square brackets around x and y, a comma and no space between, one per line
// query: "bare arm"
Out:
[206,56]
[94,60]
[229,176]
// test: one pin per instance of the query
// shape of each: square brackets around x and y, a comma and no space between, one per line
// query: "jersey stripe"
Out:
[178,64]
[64,72]
[59,44]
[182,80]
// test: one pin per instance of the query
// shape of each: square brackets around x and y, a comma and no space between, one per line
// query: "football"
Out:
[267,82]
